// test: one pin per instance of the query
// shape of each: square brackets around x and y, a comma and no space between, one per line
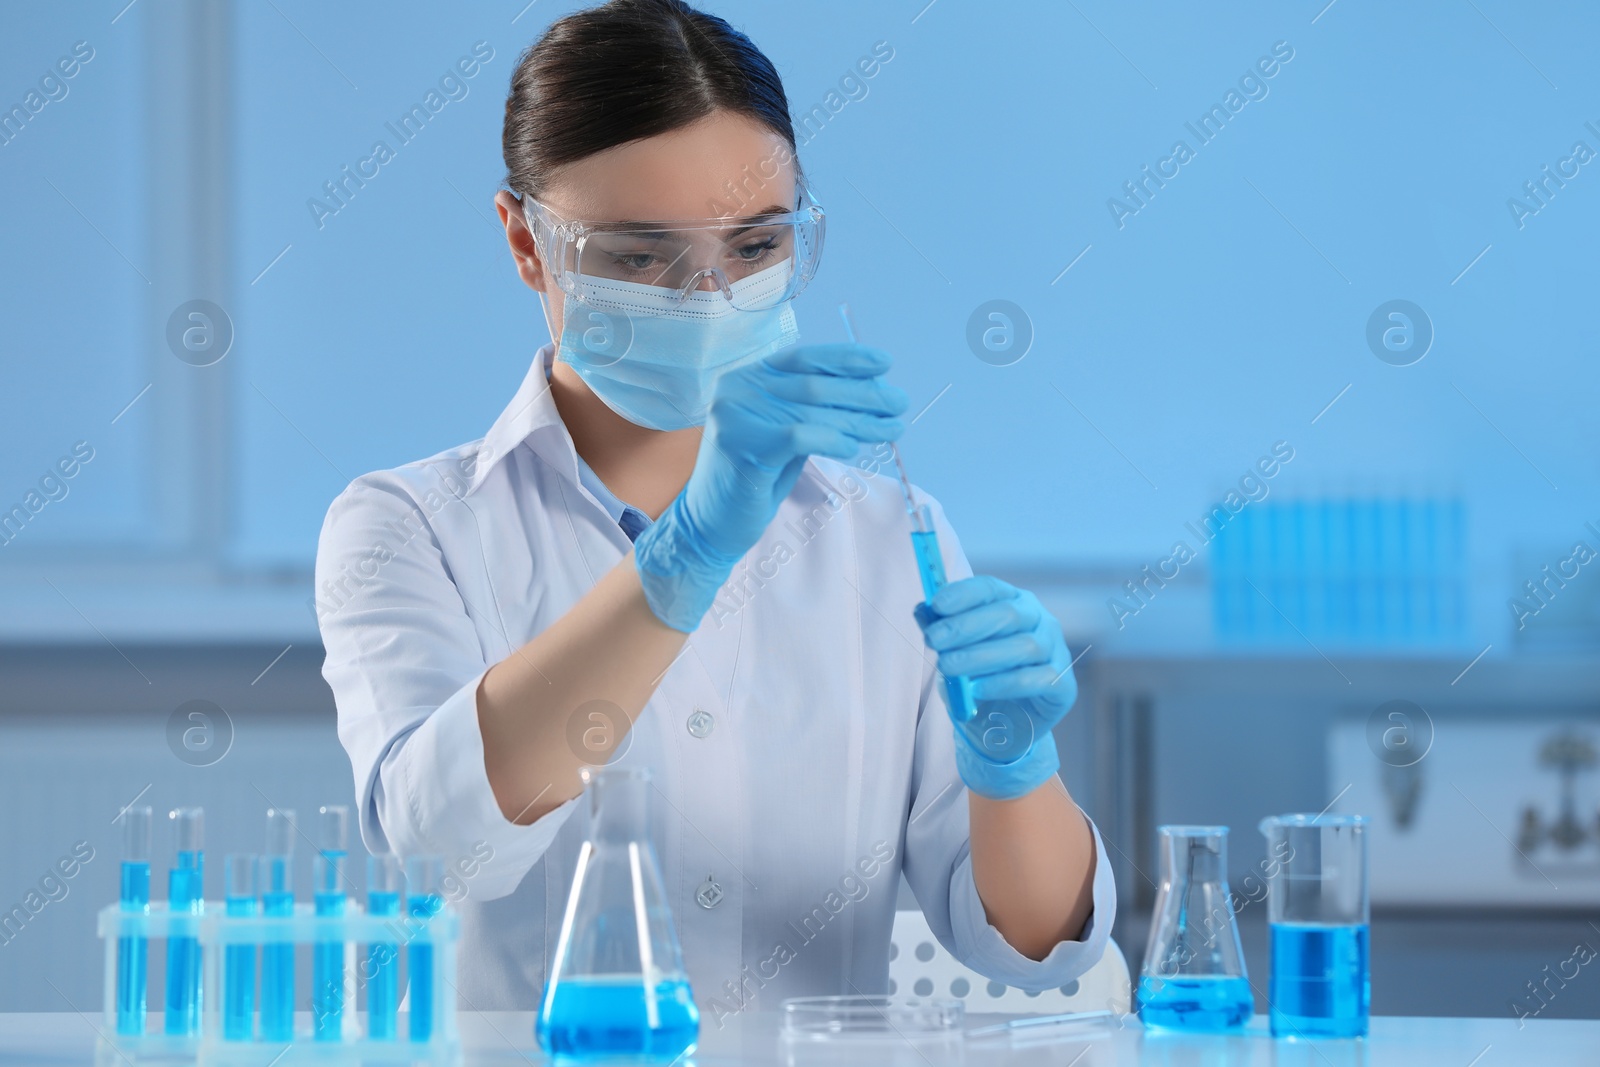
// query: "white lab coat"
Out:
[827,770]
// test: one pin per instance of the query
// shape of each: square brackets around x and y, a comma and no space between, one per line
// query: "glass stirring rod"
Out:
[930,562]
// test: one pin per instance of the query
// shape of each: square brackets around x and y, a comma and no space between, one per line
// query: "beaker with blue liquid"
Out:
[617,990]
[1193,976]
[1318,910]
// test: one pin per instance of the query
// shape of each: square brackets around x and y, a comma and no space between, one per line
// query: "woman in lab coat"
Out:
[664,553]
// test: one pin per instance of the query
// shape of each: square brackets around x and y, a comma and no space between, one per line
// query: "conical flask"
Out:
[1193,976]
[617,990]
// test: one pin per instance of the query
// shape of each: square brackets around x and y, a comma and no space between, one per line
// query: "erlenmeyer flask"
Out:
[1193,976]
[617,987]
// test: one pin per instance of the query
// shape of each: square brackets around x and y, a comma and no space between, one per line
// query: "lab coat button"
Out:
[709,894]
[701,722]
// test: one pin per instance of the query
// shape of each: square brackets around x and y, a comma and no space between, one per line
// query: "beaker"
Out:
[1193,976]
[1319,911]
[617,988]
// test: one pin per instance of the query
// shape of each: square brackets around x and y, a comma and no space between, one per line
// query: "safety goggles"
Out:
[626,265]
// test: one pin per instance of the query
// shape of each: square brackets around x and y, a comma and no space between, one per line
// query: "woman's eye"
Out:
[637,261]
[755,251]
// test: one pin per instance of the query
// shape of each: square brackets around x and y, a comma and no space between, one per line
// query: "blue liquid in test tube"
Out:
[424,875]
[241,899]
[132,959]
[185,896]
[930,564]
[277,899]
[328,894]
[385,886]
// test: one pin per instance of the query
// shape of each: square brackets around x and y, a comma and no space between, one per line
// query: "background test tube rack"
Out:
[355,930]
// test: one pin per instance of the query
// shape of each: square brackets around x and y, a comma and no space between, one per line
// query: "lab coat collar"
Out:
[530,417]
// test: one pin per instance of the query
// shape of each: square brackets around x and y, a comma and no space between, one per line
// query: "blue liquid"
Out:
[183,953]
[131,952]
[930,564]
[383,966]
[602,1017]
[420,957]
[239,978]
[1206,1003]
[327,966]
[277,976]
[1320,985]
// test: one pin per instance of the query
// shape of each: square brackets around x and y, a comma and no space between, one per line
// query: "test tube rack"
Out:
[216,930]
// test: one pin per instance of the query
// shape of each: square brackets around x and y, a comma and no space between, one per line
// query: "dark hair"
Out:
[628,70]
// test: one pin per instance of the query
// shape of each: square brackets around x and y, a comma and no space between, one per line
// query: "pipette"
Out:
[930,561]
[1034,1022]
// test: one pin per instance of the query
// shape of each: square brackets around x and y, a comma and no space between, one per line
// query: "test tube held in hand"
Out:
[930,560]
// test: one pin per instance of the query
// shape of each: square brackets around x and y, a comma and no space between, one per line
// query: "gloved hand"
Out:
[765,419]
[1013,653]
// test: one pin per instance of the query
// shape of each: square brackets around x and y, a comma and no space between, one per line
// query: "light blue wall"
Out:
[976,164]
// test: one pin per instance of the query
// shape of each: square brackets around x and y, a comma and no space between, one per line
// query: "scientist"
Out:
[503,614]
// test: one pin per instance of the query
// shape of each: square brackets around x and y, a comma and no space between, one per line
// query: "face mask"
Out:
[656,365]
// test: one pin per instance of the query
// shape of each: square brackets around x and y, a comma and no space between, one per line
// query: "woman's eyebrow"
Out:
[659,225]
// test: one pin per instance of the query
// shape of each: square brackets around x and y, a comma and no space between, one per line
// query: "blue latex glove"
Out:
[1012,650]
[765,419]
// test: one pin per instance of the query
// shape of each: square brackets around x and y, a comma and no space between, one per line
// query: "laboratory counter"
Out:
[48,1039]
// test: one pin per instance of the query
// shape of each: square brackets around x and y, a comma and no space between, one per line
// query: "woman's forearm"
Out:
[1033,861]
[609,647]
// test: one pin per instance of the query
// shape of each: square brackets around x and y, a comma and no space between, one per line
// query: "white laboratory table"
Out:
[49,1039]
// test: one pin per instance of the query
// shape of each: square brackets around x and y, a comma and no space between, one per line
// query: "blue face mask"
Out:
[656,365]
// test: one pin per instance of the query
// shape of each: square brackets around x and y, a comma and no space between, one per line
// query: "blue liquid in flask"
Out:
[617,989]
[1203,1002]
[1320,985]
[601,1017]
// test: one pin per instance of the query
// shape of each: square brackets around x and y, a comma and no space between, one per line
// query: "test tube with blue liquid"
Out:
[1319,918]
[930,561]
[328,895]
[385,893]
[424,899]
[185,896]
[277,900]
[132,951]
[241,899]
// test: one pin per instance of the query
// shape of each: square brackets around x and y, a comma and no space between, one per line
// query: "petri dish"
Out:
[868,1016]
